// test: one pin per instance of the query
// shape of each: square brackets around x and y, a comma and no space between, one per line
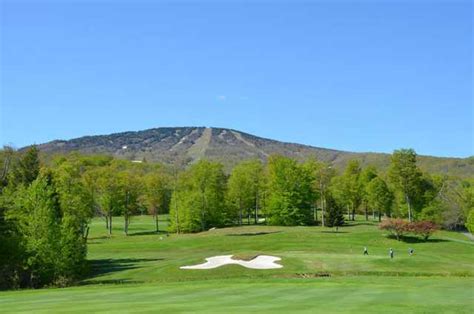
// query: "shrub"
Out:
[397,227]
[423,228]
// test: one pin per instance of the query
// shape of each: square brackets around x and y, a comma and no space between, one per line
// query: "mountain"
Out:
[189,144]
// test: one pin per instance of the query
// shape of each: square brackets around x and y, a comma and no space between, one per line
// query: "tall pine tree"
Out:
[335,216]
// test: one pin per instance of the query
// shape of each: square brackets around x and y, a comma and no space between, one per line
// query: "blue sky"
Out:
[358,76]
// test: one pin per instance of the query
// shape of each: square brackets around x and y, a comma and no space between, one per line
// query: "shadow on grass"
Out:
[108,282]
[98,238]
[250,234]
[99,267]
[418,240]
[409,239]
[351,223]
[147,233]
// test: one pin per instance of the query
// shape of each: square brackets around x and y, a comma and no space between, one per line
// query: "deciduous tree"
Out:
[199,201]
[423,228]
[379,197]
[321,174]
[397,227]
[366,176]
[291,194]
[245,185]
[470,221]
[406,176]
[157,188]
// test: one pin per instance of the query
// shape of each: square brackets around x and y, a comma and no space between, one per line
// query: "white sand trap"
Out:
[259,262]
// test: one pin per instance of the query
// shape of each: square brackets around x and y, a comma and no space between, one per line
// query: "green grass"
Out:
[328,295]
[141,272]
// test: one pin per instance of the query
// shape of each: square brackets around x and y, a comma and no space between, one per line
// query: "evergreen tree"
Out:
[27,168]
[335,216]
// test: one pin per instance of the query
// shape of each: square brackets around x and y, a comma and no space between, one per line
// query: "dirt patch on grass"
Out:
[305,275]
[244,257]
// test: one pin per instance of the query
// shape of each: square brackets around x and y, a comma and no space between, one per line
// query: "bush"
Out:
[423,228]
[397,227]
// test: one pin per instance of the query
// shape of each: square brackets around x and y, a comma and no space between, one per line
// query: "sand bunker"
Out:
[259,262]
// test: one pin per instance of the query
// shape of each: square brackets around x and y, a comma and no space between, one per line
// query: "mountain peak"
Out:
[186,145]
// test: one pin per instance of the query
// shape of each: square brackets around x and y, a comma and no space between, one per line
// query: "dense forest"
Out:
[46,207]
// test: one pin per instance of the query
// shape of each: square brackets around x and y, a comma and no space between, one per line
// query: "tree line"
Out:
[46,207]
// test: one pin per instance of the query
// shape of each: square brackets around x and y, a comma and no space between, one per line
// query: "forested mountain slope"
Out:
[185,145]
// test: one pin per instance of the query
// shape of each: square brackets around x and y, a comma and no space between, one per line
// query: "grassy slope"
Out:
[351,294]
[438,278]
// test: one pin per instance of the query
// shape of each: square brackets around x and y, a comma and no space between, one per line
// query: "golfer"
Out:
[391,253]
[366,252]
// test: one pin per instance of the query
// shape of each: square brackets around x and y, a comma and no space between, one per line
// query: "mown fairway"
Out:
[141,272]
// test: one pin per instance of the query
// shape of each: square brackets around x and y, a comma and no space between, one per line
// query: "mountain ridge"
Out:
[186,145]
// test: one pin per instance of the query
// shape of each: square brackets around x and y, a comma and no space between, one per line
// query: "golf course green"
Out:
[323,271]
